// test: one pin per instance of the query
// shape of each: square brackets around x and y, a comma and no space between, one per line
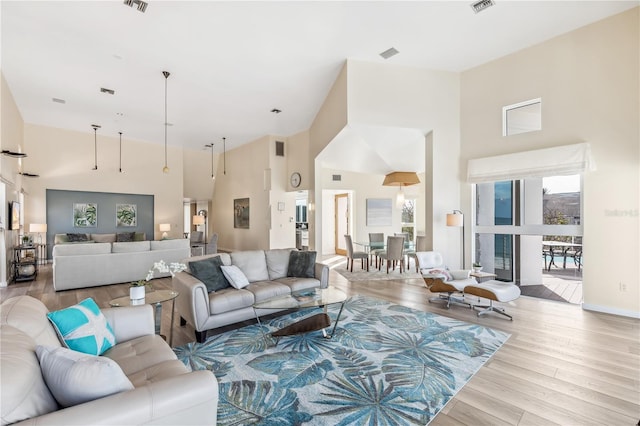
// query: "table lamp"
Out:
[38,228]
[164,228]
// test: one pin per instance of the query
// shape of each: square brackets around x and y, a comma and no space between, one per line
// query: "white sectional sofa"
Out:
[266,271]
[164,391]
[82,265]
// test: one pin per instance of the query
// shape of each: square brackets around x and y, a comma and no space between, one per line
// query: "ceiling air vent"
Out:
[392,51]
[481,5]
[279,149]
[336,178]
[109,91]
[58,100]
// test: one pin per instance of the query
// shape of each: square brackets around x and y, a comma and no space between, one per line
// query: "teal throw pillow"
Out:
[302,264]
[208,271]
[83,328]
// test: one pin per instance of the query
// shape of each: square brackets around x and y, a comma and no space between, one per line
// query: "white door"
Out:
[342,222]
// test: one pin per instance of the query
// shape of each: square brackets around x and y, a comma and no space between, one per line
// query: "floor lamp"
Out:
[457,219]
[201,219]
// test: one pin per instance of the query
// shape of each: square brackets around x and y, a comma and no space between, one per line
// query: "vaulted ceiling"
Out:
[231,63]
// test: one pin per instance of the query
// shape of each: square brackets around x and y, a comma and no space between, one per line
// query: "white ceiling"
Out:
[232,62]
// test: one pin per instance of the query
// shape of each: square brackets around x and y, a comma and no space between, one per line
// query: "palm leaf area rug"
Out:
[385,365]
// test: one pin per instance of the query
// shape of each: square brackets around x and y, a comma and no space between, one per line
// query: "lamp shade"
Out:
[37,227]
[401,179]
[164,227]
[198,220]
[455,219]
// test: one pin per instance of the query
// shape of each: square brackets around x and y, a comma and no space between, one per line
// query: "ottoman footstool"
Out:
[494,290]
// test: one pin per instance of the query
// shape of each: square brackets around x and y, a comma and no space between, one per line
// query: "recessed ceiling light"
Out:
[109,91]
[120,114]
[481,5]
[392,51]
[276,111]
[58,100]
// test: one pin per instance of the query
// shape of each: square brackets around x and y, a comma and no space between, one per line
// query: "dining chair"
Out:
[212,245]
[421,245]
[197,243]
[376,245]
[351,255]
[394,252]
[407,245]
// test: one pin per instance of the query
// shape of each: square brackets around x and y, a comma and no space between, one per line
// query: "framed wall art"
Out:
[379,211]
[85,215]
[241,213]
[126,215]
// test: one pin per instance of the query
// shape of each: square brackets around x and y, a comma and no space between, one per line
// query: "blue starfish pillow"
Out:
[83,328]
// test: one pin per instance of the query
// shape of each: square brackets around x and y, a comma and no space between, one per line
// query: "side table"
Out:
[154,297]
[482,276]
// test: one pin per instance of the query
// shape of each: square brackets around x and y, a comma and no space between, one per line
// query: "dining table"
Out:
[561,248]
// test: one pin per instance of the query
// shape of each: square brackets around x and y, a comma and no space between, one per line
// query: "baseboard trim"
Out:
[613,311]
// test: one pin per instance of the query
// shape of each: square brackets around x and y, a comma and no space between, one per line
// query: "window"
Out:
[408,218]
[522,117]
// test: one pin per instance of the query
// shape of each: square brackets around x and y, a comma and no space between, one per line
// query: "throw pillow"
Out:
[208,271]
[443,272]
[235,276]
[302,264]
[83,328]
[74,238]
[125,237]
[75,378]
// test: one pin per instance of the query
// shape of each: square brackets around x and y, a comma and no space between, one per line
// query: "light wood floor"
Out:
[561,365]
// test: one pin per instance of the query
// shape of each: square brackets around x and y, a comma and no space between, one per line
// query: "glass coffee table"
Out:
[153,297]
[312,298]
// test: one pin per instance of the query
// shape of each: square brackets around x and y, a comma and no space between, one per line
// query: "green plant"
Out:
[477,265]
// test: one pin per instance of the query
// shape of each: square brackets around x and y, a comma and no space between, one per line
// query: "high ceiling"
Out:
[231,63]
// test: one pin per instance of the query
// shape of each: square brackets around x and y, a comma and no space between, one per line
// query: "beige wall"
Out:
[64,159]
[11,138]
[589,84]
[246,167]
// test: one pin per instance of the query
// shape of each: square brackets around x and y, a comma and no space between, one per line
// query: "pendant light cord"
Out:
[224,155]
[120,152]
[212,176]
[95,145]
[166,77]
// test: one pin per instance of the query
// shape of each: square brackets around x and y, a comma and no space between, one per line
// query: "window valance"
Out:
[556,161]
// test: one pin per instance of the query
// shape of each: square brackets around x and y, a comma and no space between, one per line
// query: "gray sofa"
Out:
[266,270]
[80,265]
[164,390]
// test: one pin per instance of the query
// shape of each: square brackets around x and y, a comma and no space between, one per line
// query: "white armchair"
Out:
[439,279]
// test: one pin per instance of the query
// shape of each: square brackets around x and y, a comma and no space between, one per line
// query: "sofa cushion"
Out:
[302,264]
[29,315]
[130,247]
[125,237]
[139,236]
[263,290]
[178,243]
[74,378]
[157,372]
[24,392]
[252,263]
[104,238]
[75,237]
[83,327]
[298,284]
[81,249]
[234,275]
[138,354]
[208,271]
[277,262]
[230,299]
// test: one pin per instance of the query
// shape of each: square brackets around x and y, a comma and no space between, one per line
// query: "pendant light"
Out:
[224,155]
[120,169]
[211,146]
[95,145]
[166,74]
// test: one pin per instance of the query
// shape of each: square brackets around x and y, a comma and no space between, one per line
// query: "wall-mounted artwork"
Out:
[14,215]
[126,215]
[379,211]
[241,213]
[85,215]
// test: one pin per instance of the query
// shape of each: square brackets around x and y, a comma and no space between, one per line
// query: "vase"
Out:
[136,293]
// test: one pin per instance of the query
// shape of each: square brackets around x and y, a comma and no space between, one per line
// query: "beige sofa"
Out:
[266,270]
[165,392]
[88,265]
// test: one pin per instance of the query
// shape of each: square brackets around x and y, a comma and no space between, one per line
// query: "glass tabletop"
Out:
[150,297]
[304,299]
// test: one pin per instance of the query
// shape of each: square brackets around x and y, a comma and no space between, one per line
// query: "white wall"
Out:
[589,82]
